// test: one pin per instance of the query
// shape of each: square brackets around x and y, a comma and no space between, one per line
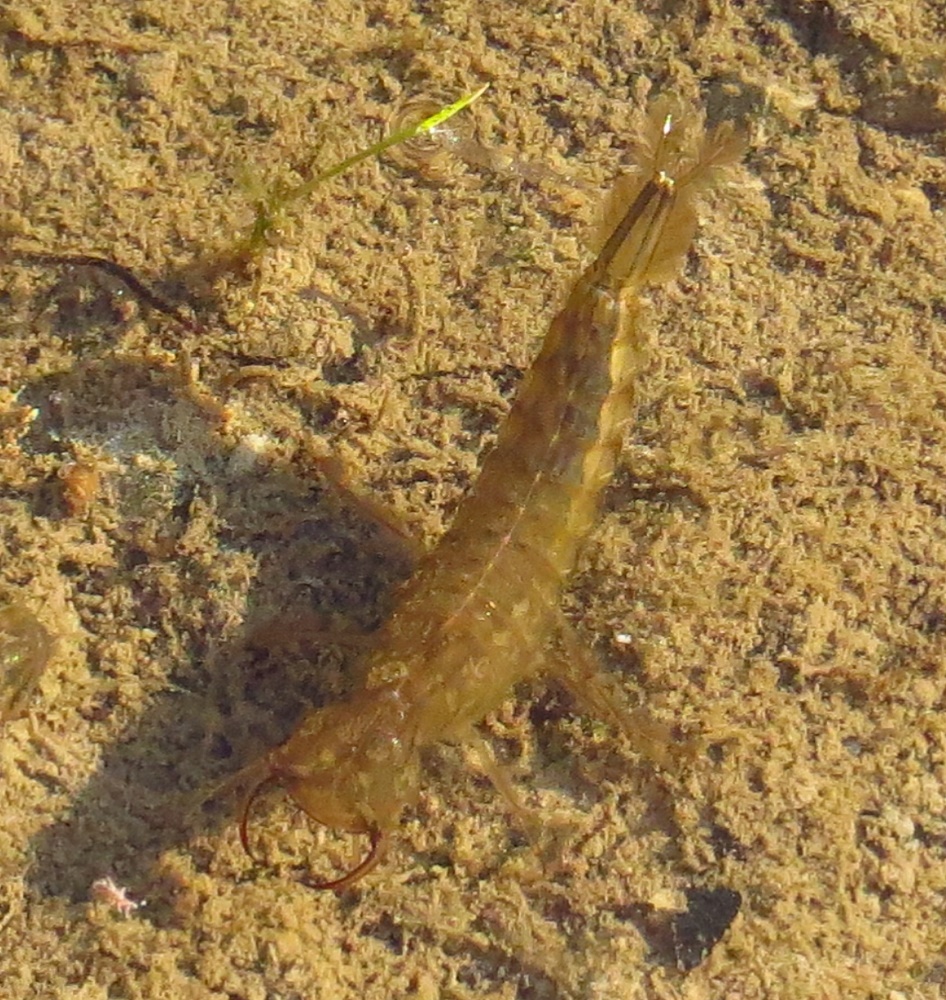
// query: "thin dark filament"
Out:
[137,287]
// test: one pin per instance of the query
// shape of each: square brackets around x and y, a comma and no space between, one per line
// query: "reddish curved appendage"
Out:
[371,860]
[375,853]
[249,799]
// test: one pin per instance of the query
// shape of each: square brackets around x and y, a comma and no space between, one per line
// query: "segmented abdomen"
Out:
[475,617]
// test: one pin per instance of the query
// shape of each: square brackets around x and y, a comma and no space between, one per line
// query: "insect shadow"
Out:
[228,664]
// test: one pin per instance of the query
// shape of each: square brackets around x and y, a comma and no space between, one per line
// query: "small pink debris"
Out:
[106,891]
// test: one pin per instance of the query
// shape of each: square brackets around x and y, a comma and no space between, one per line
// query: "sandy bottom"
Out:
[768,572]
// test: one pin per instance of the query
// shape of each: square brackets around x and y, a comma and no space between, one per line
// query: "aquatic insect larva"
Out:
[482,610]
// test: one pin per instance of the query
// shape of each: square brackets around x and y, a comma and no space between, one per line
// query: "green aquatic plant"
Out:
[270,209]
[271,205]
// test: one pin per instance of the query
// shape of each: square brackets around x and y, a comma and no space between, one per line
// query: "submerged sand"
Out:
[768,572]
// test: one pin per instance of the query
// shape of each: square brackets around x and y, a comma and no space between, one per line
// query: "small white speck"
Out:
[248,452]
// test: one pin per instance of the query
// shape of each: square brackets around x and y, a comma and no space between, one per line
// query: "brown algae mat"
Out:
[768,571]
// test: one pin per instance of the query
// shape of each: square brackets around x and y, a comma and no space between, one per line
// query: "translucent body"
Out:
[25,651]
[478,614]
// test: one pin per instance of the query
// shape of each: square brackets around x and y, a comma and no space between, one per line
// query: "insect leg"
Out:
[485,757]
[600,694]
